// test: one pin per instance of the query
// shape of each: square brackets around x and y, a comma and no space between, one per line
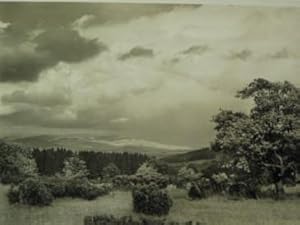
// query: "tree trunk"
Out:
[279,184]
[279,190]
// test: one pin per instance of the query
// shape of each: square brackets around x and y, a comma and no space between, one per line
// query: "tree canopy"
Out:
[265,139]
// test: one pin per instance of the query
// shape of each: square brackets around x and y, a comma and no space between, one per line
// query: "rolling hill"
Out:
[104,143]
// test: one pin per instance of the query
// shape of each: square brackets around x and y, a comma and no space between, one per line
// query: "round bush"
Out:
[13,195]
[34,192]
[200,189]
[151,200]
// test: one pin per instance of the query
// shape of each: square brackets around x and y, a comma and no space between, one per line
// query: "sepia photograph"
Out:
[150,112]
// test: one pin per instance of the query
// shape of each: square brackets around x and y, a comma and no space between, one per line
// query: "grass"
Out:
[212,211]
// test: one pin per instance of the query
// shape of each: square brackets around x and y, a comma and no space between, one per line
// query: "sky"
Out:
[156,72]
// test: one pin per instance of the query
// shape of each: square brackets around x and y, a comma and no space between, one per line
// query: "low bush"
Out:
[43,191]
[151,200]
[31,192]
[13,194]
[128,220]
[243,190]
[84,189]
[57,186]
[131,181]
[200,189]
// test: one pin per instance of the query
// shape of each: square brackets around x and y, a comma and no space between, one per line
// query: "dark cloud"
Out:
[58,41]
[52,46]
[22,66]
[67,45]
[137,51]
[195,49]
[241,55]
[50,100]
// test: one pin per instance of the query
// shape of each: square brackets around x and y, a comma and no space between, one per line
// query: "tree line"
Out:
[51,161]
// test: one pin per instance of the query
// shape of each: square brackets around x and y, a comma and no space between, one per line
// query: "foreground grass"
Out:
[212,211]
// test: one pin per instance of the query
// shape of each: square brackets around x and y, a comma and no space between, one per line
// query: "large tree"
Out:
[265,139]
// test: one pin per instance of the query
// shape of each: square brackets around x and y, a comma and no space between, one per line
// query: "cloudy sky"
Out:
[157,72]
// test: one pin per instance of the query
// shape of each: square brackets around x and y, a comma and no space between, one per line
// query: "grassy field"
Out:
[212,211]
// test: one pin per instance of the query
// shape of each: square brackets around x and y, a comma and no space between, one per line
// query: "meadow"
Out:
[211,211]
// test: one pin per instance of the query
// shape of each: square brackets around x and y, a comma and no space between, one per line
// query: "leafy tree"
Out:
[146,169]
[74,168]
[16,164]
[265,139]
[111,170]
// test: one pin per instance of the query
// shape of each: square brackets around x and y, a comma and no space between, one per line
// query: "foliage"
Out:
[201,188]
[264,140]
[31,192]
[84,189]
[51,161]
[16,164]
[186,175]
[147,169]
[57,186]
[151,200]
[76,188]
[159,165]
[13,194]
[131,181]
[74,168]
[128,220]
[111,170]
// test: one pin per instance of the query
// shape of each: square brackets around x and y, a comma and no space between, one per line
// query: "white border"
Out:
[273,3]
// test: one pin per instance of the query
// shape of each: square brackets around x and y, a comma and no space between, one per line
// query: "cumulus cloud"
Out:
[67,45]
[170,98]
[137,51]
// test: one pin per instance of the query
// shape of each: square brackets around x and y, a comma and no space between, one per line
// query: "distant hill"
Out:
[196,155]
[199,159]
[104,143]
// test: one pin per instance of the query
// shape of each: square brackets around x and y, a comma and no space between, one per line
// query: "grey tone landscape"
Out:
[122,113]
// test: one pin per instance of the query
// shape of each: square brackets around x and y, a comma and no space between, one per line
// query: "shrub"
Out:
[84,189]
[57,186]
[243,190]
[110,171]
[125,181]
[151,200]
[31,192]
[13,194]
[128,220]
[200,189]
